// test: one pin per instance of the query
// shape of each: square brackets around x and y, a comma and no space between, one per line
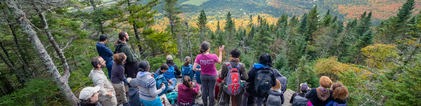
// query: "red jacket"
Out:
[185,94]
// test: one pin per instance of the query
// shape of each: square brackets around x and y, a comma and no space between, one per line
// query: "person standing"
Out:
[105,53]
[208,74]
[106,92]
[233,63]
[321,95]
[118,76]
[131,65]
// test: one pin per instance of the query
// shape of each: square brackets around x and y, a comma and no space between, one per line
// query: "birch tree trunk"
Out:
[188,36]
[26,27]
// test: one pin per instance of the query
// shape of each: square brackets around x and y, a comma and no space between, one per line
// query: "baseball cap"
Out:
[87,92]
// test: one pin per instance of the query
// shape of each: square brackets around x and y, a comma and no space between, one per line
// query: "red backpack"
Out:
[233,85]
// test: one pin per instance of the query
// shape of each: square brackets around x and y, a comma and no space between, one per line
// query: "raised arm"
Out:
[221,49]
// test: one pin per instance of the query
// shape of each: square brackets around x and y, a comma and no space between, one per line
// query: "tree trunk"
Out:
[7,54]
[26,27]
[180,47]
[8,62]
[188,36]
[99,20]
[135,31]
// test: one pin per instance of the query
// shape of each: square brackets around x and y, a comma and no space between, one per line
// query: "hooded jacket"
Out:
[185,94]
[147,86]
[275,98]
[318,97]
[177,71]
[134,99]
[131,56]
[252,75]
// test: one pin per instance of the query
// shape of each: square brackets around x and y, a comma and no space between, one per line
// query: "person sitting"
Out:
[169,76]
[276,96]
[134,99]
[187,68]
[89,96]
[322,95]
[147,87]
[299,99]
[187,91]
[340,95]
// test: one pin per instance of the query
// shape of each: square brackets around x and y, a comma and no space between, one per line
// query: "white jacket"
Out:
[99,79]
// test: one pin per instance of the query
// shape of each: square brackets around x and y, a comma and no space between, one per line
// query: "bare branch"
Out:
[66,45]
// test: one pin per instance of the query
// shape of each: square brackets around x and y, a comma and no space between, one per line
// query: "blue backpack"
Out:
[160,79]
[170,72]
[187,70]
[172,97]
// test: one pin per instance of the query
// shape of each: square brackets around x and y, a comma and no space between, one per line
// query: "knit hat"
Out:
[304,87]
[132,82]
[169,57]
[87,92]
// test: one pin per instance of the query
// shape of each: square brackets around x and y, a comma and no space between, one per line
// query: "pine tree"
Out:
[327,19]
[262,39]
[293,21]
[312,22]
[303,26]
[251,21]
[229,24]
[171,12]
[202,24]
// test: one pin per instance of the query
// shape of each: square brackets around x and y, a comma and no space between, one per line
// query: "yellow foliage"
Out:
[380,56]
[331,67]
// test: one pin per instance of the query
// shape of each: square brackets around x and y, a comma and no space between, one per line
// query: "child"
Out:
[186,92]
[134,99]
[275,97]
[169,76]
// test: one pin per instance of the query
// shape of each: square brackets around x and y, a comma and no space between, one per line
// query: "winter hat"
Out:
[132,82]
[304,87]
[169,57]
[87,92]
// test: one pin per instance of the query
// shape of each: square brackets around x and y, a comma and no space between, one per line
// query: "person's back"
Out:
[105,53]
[321,96]
[186,93]
[275,97]
[134,99]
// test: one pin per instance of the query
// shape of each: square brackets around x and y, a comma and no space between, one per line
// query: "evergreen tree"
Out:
[312,22]
[293,21]
[171,12]
[303,26]
[202,24]
[251,21]
[340,26]
[229,24]
[327,19]
[262,39]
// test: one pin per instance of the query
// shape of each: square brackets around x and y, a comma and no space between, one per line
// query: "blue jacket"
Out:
[104,52]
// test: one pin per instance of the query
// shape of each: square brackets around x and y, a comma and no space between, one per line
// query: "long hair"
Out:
[187,61]
[119,58]
[204,47]
[339,91]
[187,81]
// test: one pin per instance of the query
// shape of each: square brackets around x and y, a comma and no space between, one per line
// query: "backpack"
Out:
[233,85]
[160,79]
[187,70]
[172,97]
[170,72]
[263,82]
[299,101]
[284,82]
[117,49]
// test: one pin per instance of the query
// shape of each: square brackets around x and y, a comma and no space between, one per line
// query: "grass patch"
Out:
[194,2]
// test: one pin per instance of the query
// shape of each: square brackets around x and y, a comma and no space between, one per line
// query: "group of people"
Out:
[261,85]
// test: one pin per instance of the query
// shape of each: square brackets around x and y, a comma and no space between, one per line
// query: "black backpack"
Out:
[117,49]
[263,82]
[299,101]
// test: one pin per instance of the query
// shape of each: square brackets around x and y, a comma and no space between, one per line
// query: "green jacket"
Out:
[131,56]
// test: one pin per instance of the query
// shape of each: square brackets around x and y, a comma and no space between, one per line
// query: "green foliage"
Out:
[312,22]
[202,23]
[36,92]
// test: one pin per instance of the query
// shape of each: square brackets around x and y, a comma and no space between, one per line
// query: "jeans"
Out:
[172,86]
[109,68]
[208,89]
